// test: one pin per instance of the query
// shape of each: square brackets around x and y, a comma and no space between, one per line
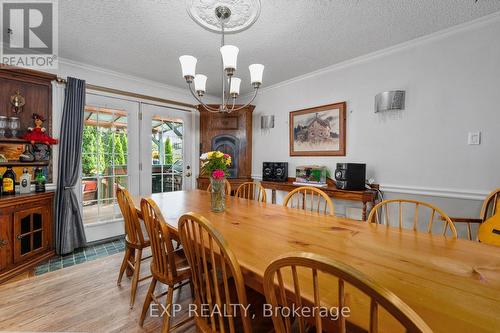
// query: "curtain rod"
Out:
[131,94]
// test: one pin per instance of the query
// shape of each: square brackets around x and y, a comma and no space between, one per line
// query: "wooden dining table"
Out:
[454,285]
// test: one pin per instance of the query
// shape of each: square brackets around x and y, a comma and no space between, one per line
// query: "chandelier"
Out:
[221,23]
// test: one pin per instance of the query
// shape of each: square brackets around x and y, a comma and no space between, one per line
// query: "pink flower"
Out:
[226,156]
[218,174]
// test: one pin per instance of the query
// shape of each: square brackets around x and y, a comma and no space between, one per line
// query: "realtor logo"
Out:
[29,33]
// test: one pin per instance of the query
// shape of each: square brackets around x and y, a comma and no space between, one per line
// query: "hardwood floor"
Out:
[83,298]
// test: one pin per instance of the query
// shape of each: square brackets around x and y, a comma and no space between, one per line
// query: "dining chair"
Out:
[311,199]
[419,212]
[216,276]
[284,275]
[227,187]
[169,266]
[252,191]
[135,242]
[488,209]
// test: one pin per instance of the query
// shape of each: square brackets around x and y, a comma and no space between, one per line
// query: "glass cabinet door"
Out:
[29,232]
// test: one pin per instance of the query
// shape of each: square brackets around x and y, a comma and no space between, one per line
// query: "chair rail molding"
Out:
[427,191]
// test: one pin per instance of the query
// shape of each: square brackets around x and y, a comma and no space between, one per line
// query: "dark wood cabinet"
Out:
[232,134]
[26,232]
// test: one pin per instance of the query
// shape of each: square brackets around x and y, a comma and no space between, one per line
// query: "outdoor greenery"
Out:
[169,158]
[97,149]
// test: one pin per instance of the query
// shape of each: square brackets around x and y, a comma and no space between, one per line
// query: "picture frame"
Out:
[318,131]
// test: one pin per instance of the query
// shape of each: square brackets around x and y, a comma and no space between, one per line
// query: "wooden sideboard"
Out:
[26,232]
[365,197]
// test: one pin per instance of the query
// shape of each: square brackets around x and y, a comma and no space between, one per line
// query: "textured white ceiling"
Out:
[145,37]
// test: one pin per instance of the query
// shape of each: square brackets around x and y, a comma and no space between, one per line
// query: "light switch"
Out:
[474,138]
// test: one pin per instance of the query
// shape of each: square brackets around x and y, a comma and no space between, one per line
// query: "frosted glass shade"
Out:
[229,56]
[235,86]
[188,65]
[256,73]
[200,82]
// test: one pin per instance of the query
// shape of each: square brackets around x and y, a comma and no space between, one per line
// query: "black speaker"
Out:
[350,176]
[275,171]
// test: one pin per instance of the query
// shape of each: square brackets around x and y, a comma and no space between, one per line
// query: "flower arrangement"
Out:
[214,164]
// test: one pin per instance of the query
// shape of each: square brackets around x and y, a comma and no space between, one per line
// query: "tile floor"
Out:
[81,255]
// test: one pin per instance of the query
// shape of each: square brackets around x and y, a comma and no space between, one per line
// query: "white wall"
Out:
[452,80]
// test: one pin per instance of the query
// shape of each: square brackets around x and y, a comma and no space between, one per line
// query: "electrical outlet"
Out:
[474,138]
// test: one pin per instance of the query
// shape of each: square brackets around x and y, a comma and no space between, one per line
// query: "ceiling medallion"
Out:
[243,14]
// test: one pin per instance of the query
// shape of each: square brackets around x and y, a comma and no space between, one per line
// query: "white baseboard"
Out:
[427,191]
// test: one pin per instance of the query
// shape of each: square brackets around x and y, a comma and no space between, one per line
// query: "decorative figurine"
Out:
[17,102]
[37,134]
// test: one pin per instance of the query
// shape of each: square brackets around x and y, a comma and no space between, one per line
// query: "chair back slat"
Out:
[377,295]
[160,237]
[216,274]
[133,229]
[311,199]
[490,205]
[251,191]
[436,215]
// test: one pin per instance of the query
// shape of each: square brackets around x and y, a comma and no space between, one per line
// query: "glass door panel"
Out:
[166,137]
[110,130]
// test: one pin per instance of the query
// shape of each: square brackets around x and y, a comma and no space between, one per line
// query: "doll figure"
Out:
[37,133]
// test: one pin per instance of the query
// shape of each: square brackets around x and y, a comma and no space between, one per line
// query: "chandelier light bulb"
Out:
[229,57]
[200,84]
[256,73]
[188,65]
[234,90]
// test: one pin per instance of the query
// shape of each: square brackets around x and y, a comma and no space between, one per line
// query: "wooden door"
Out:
[5,241]
[31,227]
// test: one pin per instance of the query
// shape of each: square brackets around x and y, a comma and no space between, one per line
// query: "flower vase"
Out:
[217,194]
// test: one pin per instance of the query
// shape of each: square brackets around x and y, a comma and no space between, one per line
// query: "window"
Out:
[104,163]
[167,152]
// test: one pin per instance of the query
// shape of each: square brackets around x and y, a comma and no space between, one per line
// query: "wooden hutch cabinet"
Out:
[26,232]
[232,134]
[26,221]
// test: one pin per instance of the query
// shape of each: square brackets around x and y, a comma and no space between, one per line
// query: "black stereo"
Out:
[350,176]
[275,171]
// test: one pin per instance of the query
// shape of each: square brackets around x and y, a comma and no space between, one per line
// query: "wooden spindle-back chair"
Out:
[311,199]
[381,214]
[135,242]
[283,288]
[487,210]
[227,187]
[169,266]
[252,191]
[213,264]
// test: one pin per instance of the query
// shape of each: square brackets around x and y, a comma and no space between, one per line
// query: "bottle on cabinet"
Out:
[9,181]
[40,181]
[25,182]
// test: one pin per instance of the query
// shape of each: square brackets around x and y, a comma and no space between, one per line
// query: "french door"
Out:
[167,148]
[143,147]
[110,151]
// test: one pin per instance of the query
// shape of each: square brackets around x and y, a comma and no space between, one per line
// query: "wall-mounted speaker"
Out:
[275,171]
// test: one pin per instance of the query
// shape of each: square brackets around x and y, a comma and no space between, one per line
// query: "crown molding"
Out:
[467,26]
[124,76]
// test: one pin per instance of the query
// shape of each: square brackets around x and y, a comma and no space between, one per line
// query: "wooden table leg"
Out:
[273,196]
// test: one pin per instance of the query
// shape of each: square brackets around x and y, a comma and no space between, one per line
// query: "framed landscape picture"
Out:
[318,131]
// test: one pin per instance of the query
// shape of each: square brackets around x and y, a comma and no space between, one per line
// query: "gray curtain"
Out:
[69,232]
